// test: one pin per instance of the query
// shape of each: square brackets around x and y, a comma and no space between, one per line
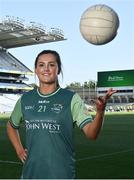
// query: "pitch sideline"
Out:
[105,155]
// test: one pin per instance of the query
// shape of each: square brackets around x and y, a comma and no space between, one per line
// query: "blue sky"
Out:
[81,60]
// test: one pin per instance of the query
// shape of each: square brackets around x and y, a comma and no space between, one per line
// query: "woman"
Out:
[50,114]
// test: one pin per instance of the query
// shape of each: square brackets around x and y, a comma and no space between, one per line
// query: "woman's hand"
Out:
[102,101]
[22,154]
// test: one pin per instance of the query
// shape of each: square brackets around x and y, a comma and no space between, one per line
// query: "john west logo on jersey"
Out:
[49,125]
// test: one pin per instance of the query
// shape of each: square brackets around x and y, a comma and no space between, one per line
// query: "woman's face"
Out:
[47,69]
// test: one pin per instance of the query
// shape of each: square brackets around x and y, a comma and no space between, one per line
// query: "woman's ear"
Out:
[35,71]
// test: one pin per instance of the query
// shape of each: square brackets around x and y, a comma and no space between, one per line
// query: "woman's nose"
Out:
[46,68]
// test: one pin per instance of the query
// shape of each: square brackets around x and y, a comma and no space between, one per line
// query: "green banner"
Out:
[115,78]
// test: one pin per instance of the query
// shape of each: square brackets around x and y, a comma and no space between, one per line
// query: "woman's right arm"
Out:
[16,142]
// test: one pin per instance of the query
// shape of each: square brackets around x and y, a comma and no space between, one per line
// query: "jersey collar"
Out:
[47,95]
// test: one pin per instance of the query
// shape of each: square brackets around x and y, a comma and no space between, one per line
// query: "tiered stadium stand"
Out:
[10,63]
[8,102]
[12,74]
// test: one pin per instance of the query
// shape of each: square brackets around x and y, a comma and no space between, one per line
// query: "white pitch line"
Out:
[10,162]
[81,159]
[105,155]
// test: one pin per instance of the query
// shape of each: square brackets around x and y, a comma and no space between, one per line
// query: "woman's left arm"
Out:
[91,130]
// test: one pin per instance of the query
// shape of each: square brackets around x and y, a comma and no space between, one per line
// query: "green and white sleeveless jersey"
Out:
[49,121]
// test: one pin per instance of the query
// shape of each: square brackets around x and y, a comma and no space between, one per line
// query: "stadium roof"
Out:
[10,64]
[14,33]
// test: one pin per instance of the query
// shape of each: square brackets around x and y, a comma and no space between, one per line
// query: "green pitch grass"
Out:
[111,156]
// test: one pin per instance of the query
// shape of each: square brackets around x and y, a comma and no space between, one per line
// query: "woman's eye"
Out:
[41,65]
[52,64]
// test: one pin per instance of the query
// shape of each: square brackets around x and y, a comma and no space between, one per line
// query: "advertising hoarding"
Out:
[115,78]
